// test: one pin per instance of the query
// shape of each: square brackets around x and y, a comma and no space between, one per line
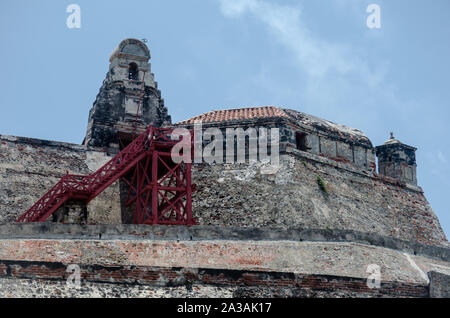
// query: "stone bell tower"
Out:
[128,100]
[397,160]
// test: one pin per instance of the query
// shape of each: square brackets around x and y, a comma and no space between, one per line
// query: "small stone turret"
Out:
[128,100]
[397,160]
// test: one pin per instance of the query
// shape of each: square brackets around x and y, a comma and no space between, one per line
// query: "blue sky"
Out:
[314,56]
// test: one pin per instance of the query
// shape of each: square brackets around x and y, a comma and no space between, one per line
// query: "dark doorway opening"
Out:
[301,141]
[133,71]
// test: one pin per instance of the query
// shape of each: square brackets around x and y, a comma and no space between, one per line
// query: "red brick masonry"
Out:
[169,277]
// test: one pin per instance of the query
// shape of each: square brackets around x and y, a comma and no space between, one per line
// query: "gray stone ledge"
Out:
[439,285]
[347,167]
[313,157]
[49,143]
[42,142]
[201,232]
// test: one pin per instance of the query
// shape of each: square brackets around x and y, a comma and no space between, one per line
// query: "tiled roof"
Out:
[271,112]
[238,114]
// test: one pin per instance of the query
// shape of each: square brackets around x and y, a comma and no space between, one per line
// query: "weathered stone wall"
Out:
[235,194]
[59,231]
[205,262]
[312,258]
[52,288]
[125,103]
[398,161]
[38,279]
[30,167]
[320,144]
[245,195]
[439,285]
[362,156]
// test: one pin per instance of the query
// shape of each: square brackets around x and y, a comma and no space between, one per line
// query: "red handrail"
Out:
[86,188]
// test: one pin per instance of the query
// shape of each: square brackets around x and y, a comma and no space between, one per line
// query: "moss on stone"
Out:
[322,184]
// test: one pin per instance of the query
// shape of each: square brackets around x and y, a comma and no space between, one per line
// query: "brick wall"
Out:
[439,285]
[244,283]
[325,258]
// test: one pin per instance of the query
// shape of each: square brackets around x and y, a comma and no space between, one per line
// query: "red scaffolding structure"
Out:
[159,189]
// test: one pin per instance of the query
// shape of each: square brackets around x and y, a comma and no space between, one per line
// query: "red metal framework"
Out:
[160,190]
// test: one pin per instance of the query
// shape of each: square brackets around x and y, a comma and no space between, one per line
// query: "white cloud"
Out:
[339,81]
[235,8]
[314,56]
[441,157]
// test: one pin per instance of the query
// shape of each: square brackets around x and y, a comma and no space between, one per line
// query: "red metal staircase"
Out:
[160,190]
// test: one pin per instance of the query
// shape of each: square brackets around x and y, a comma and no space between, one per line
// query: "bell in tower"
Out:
[128,101]
[397,160]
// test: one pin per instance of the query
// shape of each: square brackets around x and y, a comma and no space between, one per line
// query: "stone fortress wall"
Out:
[235,194]
[30,167]
[328,180]
[285,237]
[211,261]
[309,228]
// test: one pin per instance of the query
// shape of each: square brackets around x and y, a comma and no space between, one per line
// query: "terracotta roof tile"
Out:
[238,114]
[271,112]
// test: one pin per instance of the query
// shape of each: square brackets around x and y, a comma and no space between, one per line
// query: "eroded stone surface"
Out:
[328,258]
[328,183]
[240,195]
[30,167]
[18,288]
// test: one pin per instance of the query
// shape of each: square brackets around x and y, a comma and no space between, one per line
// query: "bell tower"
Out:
[128,101]
[397,160]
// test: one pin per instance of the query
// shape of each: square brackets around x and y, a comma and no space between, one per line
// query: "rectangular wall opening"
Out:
[301,141]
